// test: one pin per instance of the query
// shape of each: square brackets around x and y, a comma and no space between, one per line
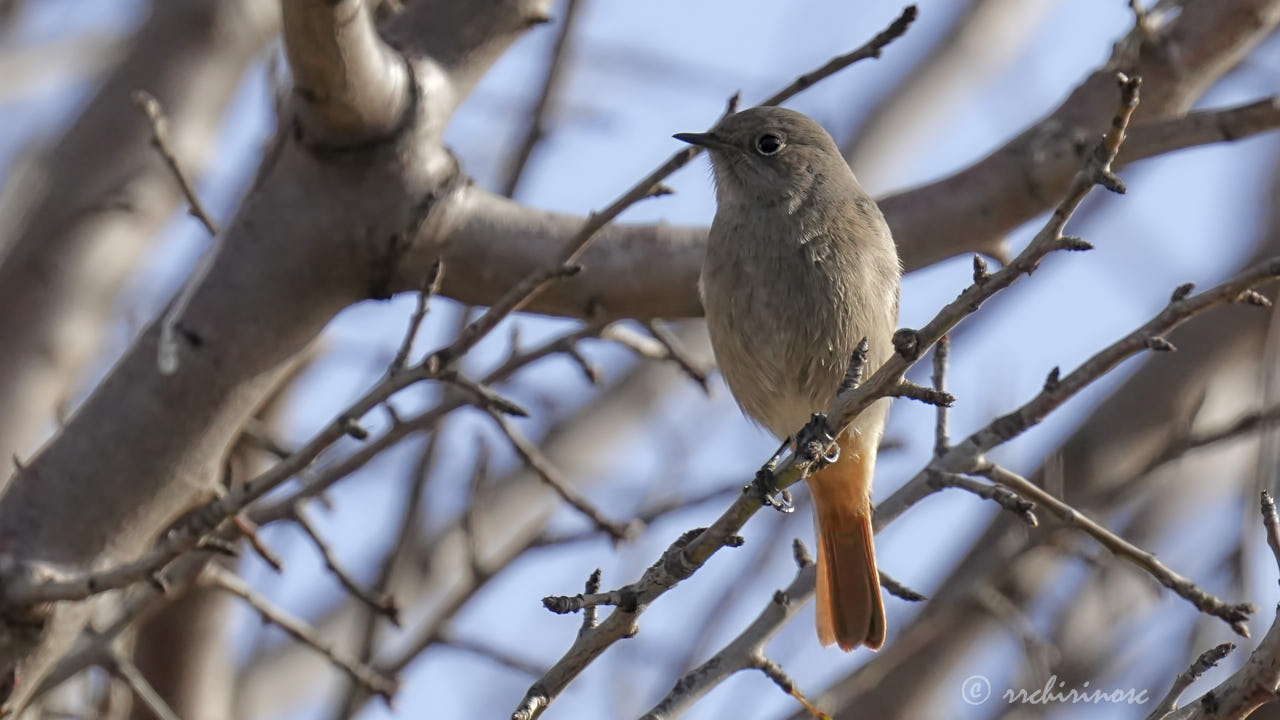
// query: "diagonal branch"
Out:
[539,463]
[369,678]
[744,652]
[536,127]
[691,551]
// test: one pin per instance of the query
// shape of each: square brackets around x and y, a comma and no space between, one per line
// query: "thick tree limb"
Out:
[495,240]
[969,211]
[464,38]
[101,195]
[352,88]
[145,447]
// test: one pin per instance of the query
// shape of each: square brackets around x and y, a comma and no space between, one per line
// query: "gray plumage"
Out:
[800,266]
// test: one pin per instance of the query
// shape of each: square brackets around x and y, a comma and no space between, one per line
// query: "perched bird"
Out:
[800,267]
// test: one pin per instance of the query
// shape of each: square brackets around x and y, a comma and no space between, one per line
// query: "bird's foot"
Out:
[816,443]
[765,486]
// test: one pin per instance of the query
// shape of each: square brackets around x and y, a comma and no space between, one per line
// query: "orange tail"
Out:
[850,608]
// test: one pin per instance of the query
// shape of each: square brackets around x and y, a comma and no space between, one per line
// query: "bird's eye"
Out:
[768,144]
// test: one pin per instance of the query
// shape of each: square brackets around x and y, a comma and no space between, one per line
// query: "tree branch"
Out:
[744,652]
[973,210]
[369,678]
[536,127]
[349,88]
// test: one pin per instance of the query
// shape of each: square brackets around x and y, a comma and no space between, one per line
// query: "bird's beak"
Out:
[706,140]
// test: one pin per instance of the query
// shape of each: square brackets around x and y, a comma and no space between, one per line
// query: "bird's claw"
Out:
[816,442]
[766,488]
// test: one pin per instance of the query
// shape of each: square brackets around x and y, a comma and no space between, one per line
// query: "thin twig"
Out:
[1208,659]
[483,395]
[479,476]
[774,672]
[430,286]
[150,107]
[536,128]
[566,604]
[376,600]
[942,432]
[871,49]
[543,467]
[1234,615]
[123,668]
[498,655]
[250,531]
[647,516]
[743,652]
[372,680]
[590,617]
[1022,508]
[257,434]
[1272,525]
[900,590]
[920,393]
[678,354]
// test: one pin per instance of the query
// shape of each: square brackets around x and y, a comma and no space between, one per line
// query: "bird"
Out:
[800,267]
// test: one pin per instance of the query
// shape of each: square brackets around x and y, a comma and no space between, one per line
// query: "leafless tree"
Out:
[134,518]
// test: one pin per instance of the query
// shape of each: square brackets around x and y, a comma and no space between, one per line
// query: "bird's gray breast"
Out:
[784,313]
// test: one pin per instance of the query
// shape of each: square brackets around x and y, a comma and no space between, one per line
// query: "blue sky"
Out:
[642,72]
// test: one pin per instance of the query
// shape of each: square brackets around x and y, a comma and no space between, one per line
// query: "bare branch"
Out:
[1055,393]
[160,141]
[1208,659]
[484,396]
[372,680]
[899,590]
[1272,525]
[648,515]
[746,651]
[926,395]
[249,529]
[676,352]
[691,551]
[495,212]
[654,348]
[774,672]
[379,602]
[590,618]
[536,127]
[1023,509]
[124,669]
[538,462]
[871,49]
[430,286]
[1234,615]
[497,655]
[349,86]
[941,354]
[1257,680]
